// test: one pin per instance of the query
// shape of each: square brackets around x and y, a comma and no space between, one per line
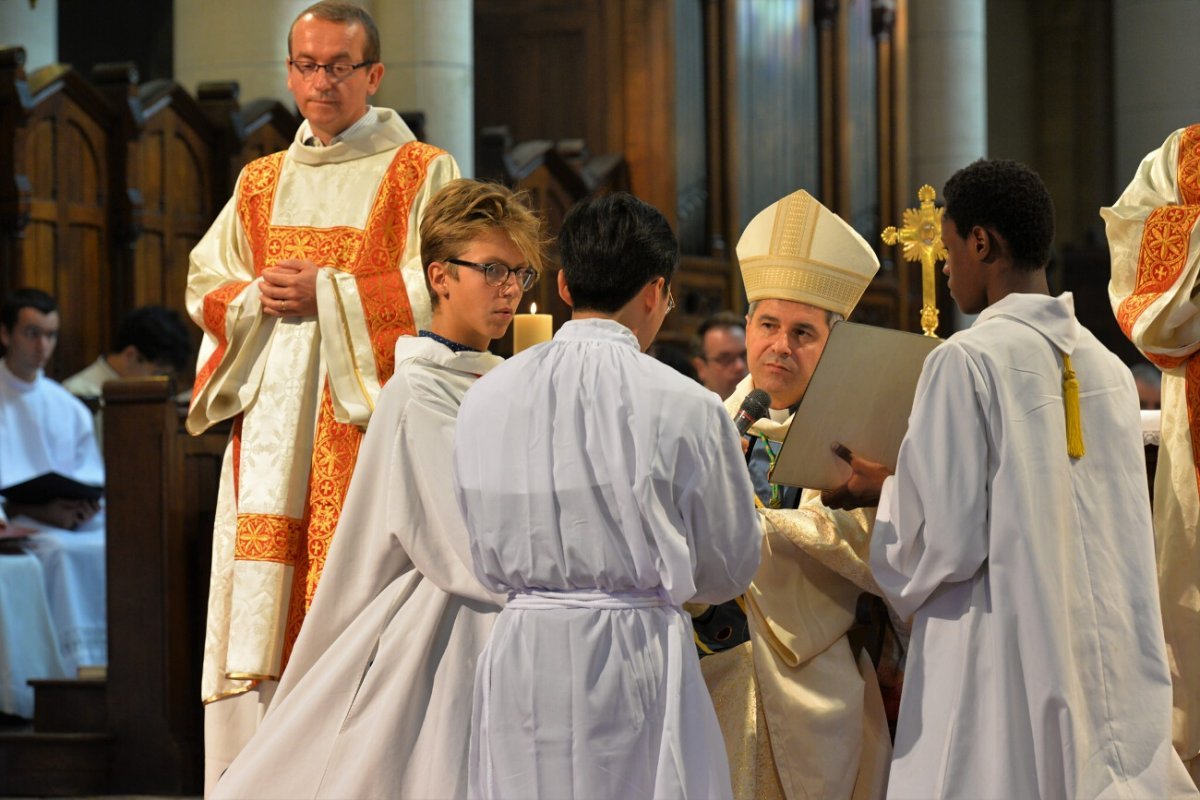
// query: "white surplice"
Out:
[28,643]
[602,489]
[376,702]
[43,428]
[1037,666]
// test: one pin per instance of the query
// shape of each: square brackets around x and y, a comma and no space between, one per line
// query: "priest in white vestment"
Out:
[1155,244]
[801,712]
[601,490]
[303,284]
[376,701]
[1016,533]
[44,429]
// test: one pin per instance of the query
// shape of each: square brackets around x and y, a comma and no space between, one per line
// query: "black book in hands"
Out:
[50,486]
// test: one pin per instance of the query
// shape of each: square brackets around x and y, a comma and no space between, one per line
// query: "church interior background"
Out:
[124,123]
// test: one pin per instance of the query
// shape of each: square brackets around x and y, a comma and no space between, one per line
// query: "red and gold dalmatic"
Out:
[1155,245]
[300,390]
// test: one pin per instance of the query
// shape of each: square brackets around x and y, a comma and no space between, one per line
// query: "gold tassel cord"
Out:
[1075,447]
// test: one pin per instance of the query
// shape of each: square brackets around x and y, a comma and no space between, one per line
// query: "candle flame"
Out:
[533,308]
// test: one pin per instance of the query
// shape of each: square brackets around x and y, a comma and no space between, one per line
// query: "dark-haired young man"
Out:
[601,489]
[151,341]
[1016,534]
[44,429]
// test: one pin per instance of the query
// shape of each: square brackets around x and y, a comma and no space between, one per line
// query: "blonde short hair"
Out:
[463,210]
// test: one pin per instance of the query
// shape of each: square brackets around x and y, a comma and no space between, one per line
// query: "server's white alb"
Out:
[584,465]
[376,702]
[1037,666]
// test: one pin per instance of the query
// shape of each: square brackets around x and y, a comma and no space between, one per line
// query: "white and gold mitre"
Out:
[797,249]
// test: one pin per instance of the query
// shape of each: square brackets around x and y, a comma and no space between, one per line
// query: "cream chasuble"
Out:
[801,716]
[1152,233]
[299,390]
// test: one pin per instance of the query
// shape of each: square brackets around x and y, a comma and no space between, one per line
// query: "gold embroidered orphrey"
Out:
[921,237]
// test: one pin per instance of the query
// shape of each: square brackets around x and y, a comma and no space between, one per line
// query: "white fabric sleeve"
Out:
[223,299]
[425,517]
[717,504]
[931,527]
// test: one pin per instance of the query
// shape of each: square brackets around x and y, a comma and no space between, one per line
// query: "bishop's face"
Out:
[784,341]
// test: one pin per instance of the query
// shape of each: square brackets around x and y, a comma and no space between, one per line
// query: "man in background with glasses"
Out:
[302,286]
[719,352]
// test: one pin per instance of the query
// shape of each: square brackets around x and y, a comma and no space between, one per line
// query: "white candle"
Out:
[530,329]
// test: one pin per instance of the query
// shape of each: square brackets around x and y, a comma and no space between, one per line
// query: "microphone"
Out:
[754,408]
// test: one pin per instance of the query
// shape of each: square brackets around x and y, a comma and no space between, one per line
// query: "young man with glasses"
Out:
[302,286]
[601,490]
[376,701]
[719,352]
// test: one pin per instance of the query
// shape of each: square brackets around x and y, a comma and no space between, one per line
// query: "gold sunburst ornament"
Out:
[921,237]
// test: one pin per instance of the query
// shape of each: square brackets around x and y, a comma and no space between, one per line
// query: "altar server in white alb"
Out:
[601,490]
[302,286]
[43,428]
[1154,236]
[376,701]
[1016,534]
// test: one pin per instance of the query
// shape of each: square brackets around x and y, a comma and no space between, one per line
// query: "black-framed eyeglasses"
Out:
[496,274]
[336,72]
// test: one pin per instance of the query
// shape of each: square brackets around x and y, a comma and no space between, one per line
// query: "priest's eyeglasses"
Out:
[336,72]
[496,274]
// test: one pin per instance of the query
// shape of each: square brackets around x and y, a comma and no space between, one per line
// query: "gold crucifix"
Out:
[922,240]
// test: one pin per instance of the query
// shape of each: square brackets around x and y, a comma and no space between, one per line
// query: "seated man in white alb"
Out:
[44,429]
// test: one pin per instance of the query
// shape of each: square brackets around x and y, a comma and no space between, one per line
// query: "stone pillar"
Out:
[947,87]
[222,40]
[428,52]
[35,29]
[1156,76]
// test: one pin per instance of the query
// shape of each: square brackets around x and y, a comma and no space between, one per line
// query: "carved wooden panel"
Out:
[161,492]
[172,165]
[61,150]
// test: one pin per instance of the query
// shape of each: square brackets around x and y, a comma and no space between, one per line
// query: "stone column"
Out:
[947,87]
[1156,77]
[222,40]
[35,29]
[428,52]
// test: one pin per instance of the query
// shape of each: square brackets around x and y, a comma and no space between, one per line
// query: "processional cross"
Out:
[922,240]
